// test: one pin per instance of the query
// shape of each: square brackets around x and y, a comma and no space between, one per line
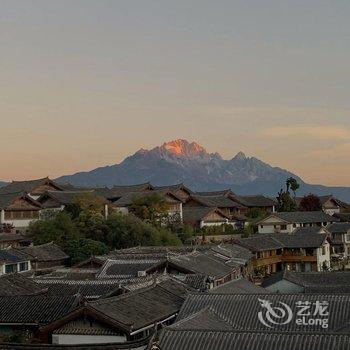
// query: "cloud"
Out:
[340,151]
[315,132]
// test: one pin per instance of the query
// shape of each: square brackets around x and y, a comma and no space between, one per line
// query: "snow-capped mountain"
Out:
[181,161]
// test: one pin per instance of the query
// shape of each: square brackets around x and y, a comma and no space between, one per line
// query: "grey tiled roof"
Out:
[143,250]
[345,217]
[201,263]
[7,198]
[45,252]
[241,310]
[196,280]
[127,268]
[26,186]
[36,309]
[128,198]
[312,240]
[87,288]
[141,308]
[195,214]
[305,217]
[233,252]
[218,201]
[215,193]
[17,284]
[64,197]
[12,237]
[339,227]
[260,242]
[175,187]
[239,286]
[71,274]
[11,256]
[315,282]
[203,320]
[256,201]
[119,191]
[173,339]
[308,230]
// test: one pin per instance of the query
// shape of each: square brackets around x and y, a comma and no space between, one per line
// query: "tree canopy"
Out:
[82,230]
[151,207]
[310,203]
[285,200]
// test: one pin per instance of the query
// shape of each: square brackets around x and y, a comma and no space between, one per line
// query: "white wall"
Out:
[19,223]
[71,339]
[332,211]
[207,224]
[122,210]
[2,267]
[323,258]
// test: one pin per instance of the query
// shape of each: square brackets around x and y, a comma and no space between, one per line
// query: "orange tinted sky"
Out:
[86,83]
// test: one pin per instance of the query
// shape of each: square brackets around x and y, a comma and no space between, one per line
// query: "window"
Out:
[323,250]
[294,225]
[261,226]
[283,227]
[347,237]
[24,266]
[10,268]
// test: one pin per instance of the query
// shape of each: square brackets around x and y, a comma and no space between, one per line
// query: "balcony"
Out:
[288,258]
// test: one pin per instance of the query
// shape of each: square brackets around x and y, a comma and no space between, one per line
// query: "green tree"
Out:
[60,230]
[92,225]
[86,202]
[152,208]
[256,214]
[292,184]
[286,202]
[82,249]
[128,230]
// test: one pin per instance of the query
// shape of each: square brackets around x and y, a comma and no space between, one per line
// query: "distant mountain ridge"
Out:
[181,161]
[3,183]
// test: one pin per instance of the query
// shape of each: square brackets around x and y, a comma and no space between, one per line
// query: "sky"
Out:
[86,83]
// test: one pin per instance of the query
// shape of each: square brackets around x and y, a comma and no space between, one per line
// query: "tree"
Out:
[285,201]
[152,208]
[128,230]
[186,233]
[256,214]
[310,203]
[92,225]
[292,184]
[87,202]
[82,249]
[60,230]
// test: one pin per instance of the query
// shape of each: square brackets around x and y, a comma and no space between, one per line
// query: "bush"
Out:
[128,231]
[60,230]
[82,249]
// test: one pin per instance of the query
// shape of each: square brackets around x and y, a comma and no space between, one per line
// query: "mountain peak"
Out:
[240,156]
[182,147]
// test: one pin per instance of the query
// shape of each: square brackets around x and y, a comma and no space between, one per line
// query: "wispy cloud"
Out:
[315,132]
[340,151]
